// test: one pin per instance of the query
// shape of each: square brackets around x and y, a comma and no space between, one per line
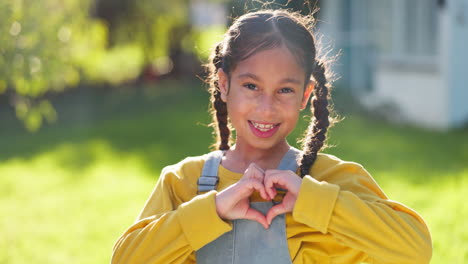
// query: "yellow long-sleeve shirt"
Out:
[340,217]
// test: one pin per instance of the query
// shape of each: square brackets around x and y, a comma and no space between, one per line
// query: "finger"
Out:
[254,167]
[255,215]
[275,211]
[258,167]
[284,179]
[254,171]
[271,178]
[258,186]
[257,173]
[272,192]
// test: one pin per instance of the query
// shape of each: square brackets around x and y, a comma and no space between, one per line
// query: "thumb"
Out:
[275,211]
[255,215]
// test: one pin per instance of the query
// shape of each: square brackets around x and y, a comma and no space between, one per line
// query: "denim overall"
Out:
[248,241]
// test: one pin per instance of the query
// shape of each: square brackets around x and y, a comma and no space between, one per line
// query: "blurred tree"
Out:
[49,45]
[161,29]
[41,41]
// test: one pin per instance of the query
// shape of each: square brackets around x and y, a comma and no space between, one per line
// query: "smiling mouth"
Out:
[264,127]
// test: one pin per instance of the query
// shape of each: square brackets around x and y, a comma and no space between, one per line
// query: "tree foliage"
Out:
[147,24]
[42,42]
[51,45]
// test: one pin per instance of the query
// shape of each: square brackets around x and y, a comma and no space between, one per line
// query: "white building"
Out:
[206,13]
[411,54]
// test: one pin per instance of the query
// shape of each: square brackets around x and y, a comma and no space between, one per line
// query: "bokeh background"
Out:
[97,96]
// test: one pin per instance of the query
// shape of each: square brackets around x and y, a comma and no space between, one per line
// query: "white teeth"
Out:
[263,127]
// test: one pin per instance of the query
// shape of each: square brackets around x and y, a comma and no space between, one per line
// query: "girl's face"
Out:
[264,96]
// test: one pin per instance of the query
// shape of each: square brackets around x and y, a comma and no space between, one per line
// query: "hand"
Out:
[233,202]
[285,180]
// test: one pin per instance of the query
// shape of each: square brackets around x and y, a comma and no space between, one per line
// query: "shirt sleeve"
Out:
[169,232]
[346,202]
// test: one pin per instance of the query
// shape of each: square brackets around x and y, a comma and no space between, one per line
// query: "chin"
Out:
[265,145]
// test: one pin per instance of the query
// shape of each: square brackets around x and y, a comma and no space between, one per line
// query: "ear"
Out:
[307,92]
[223,83]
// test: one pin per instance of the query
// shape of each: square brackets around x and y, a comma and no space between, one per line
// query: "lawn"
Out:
[68,191]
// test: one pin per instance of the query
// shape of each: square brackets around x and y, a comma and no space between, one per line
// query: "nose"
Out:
[267,105]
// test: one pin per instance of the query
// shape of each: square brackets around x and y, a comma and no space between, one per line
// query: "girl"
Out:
[260,200]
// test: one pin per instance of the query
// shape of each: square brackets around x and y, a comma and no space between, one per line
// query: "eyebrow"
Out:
[253,76]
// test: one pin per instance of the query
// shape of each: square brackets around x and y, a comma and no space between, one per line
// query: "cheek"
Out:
[294,116]
[291,104]
[292,111]
[237,109]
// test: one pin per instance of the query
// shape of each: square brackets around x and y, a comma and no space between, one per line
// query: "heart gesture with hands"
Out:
[233,202]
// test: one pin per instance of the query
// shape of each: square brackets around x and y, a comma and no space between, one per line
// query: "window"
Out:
[404,30]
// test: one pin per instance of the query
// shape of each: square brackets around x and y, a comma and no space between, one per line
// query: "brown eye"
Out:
[286,90]
[251,86]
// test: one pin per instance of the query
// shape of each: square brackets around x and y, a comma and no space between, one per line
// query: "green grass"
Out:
[70,190]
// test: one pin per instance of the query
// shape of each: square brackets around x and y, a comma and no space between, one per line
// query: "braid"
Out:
[316,133]
[219,109]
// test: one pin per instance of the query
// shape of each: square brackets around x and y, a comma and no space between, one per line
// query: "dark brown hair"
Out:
[263,30]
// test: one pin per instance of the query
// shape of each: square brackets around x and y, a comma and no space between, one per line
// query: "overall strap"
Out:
[289,161]
[209,177]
